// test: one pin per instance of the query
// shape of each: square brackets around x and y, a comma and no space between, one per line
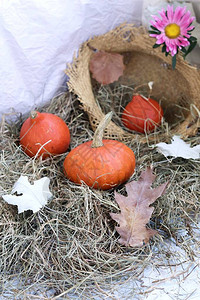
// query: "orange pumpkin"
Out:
[142,114]
[44,134]
[101,164]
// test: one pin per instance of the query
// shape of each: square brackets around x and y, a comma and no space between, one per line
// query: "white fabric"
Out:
[38,38]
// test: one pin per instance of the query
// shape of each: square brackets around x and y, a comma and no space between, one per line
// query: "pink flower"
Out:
[173,28]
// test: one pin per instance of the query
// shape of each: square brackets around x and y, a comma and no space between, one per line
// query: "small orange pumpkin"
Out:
[142,114]
[44,134]
[101,163]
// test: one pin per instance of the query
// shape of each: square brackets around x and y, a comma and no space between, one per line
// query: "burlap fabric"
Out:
[177,88]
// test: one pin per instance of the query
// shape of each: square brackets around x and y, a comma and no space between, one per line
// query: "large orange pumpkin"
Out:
[44,134]
[142,114]
[101,164]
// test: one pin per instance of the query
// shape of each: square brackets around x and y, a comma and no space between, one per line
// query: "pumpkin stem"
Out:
[98,135]
[33,114]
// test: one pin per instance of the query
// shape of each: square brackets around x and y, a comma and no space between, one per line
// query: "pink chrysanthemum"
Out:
[173,29]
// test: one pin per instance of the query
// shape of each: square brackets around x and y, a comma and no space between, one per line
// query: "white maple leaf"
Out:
[178,148]
[30,196]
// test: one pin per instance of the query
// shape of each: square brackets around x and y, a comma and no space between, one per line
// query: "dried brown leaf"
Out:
[106,67]
[136,211]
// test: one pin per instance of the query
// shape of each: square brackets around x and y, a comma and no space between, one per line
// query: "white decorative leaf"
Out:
[30,196]
[178,148]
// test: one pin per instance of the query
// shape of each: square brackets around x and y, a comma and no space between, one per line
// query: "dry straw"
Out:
[71,244]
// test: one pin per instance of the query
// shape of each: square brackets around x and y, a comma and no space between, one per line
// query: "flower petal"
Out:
[186,19]
[163,16]
[160,38]
[170,13]
[178,14]
[153,35]
[157,25]
[190,28]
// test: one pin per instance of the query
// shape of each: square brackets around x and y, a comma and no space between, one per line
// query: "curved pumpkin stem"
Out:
[33,114]
[98,135]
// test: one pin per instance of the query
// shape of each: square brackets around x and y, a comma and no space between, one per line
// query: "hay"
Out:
[116,96]
[71,244]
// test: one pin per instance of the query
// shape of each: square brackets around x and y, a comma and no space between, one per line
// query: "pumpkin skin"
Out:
[41,128]
[101,168]
[142,115]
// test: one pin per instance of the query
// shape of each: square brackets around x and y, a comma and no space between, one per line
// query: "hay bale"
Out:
[71,244]
[176,89]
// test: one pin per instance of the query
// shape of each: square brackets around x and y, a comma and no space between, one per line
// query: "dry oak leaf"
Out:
[136,211]
[106,67]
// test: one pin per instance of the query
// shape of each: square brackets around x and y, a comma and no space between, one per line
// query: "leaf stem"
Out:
[174,62]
